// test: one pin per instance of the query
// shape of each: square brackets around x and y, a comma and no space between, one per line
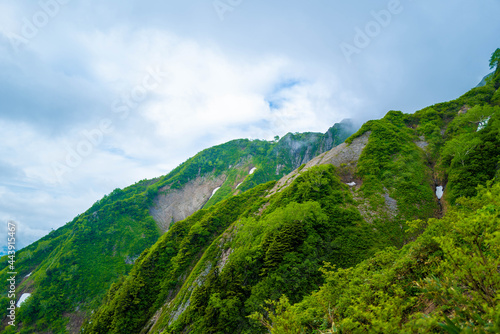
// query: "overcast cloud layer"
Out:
[98,95]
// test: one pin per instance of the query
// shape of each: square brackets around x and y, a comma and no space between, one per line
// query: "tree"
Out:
[495,59]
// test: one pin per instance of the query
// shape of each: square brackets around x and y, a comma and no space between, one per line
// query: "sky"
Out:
[97,95]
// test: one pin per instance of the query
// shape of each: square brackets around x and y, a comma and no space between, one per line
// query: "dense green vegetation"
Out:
[447,281]
[280,252]
[69,265]
[392,163]
[272,160]
[471,156]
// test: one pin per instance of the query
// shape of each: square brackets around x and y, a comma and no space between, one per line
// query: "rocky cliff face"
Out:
[301,148]
[173,205]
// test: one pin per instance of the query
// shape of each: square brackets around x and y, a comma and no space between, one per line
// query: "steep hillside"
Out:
[69,270]
[361,224]
[446,281]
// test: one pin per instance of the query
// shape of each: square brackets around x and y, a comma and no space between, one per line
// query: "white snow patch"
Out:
[213,192]
[483,124]
[439,192]
[352,184]
[239,184]
[29,274]
[252,170]
[23,298]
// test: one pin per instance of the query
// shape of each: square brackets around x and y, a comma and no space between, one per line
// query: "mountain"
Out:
[69,271]
[393,229]
[358,239]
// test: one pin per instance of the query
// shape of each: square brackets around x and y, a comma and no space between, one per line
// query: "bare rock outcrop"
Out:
[422,143]
[173,205]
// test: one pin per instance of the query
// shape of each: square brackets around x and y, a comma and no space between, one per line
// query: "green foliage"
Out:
[281,319]
[466,284]
[392,165]
[471,156]
[75,265]
[495,100]
[445,281]
[272,160]
[478,96]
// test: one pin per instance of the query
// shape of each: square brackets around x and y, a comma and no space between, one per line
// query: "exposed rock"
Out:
[173,205]
[332,138]
[342,154]
[201,278]
[279,168]
[75,320]
[152,322]
[179,311]
[484,81]
[223,258]
[391,204]
[422,143]
[131,259]
[464,109]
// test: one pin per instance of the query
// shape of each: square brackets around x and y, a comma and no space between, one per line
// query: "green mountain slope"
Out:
[446,281]
[69,271]
[351,241]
